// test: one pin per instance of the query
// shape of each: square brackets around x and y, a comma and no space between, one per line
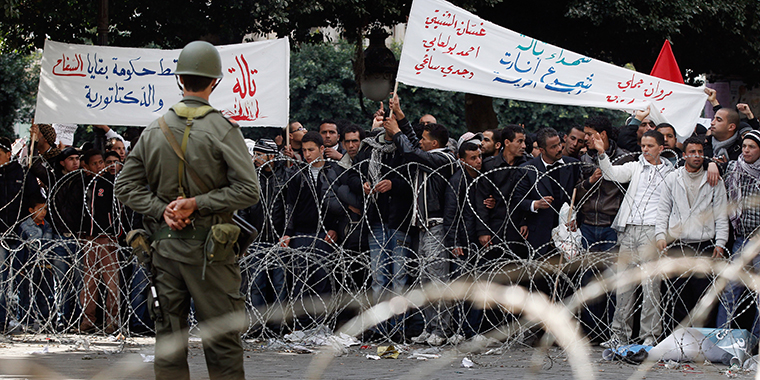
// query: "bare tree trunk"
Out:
[103,23]
[478,113]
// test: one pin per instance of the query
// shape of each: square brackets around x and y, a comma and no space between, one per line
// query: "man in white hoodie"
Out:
[635,224]
[692,220]
[691,212]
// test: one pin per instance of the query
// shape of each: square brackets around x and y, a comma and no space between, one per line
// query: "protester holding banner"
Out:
[430,166]
[629,137]
[45,155]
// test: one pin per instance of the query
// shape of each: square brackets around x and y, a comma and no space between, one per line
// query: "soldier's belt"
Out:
[184,234]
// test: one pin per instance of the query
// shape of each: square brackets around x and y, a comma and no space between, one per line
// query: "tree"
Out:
[322,87]
[717,37]
[19,76]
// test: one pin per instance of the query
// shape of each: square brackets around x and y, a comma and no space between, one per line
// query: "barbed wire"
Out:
[320,283]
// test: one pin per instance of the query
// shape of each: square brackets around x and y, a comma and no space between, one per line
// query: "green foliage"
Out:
[536,115]
[19,76]
[717,37]
[322,84]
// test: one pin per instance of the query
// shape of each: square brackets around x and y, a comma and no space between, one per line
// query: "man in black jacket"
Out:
[311,212]
[460,237]
[16,185]
[66,214]
[547,184]
[501,225]
[268,216]
[458,214]
[353,231]
[599,200]
[602,199]
[431,165]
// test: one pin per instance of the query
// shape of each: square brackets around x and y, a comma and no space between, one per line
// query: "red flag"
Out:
[666,66]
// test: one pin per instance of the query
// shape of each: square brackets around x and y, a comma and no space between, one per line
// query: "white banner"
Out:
[451,49]
[85,84]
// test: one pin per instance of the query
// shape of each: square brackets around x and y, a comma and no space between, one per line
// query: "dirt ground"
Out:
[78,357]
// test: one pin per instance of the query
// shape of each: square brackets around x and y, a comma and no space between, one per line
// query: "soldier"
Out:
[181,210]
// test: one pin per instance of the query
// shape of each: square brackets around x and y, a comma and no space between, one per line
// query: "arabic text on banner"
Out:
[85,84]
[451,49]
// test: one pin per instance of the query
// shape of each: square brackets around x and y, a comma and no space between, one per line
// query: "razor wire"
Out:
[318,283]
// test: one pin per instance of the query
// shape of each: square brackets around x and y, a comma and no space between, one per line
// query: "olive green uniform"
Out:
[147,183]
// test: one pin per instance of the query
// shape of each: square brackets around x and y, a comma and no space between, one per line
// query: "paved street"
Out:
[72,357]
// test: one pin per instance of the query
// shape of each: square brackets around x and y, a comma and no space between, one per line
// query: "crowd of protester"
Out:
[402,204]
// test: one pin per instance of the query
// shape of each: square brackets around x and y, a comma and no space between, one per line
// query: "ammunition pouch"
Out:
[140,243]
[221,242]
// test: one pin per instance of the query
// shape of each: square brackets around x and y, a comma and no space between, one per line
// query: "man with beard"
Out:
[491,144]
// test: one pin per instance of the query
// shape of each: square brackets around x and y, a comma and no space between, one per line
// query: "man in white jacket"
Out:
[691,211]
[692,220]
[635,223]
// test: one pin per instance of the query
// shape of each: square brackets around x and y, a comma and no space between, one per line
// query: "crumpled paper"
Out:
[387,352]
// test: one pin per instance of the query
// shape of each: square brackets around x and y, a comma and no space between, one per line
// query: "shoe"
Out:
[14,328]
[649,341]
[612,343]
[422,338]
[455,339]
[435,340]
[110,329]
[484,340]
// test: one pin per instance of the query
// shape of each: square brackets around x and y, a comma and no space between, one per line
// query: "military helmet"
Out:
[199,58]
